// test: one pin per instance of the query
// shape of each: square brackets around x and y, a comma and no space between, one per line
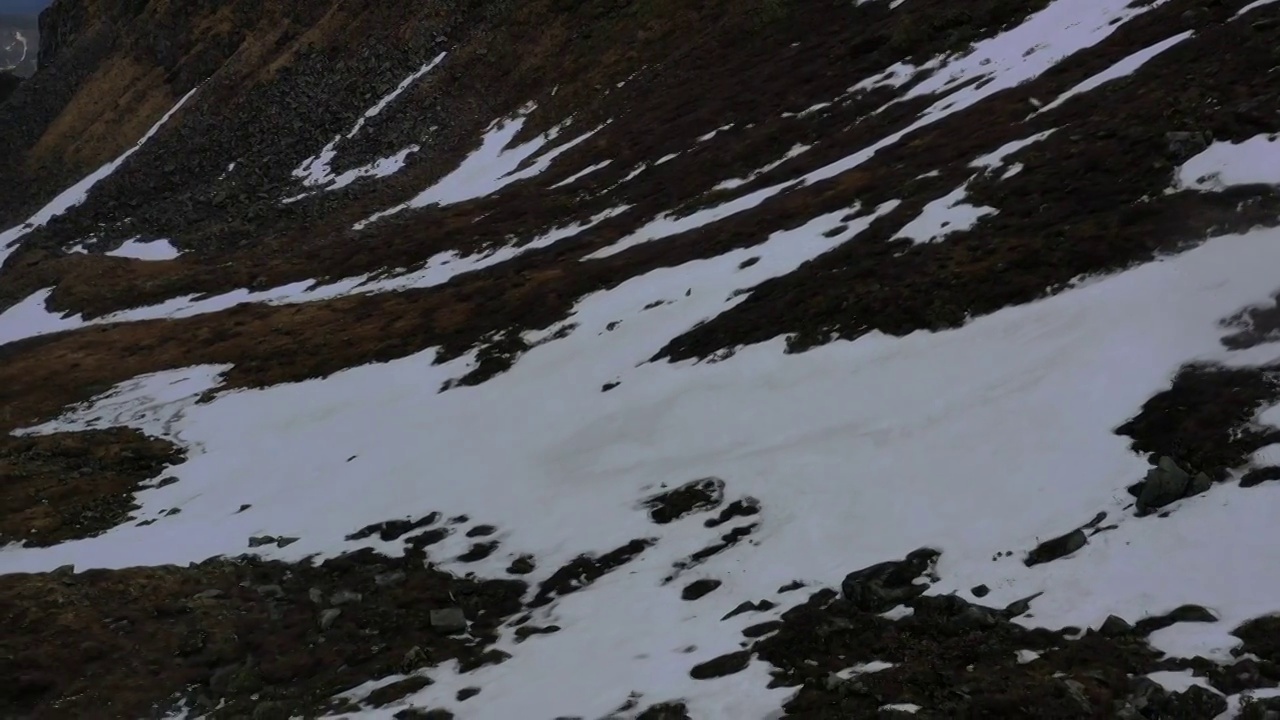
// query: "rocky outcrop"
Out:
[8,84]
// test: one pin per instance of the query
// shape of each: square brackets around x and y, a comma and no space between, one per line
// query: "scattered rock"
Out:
[285,541]
[1056,548]
[692,497]
[699,588]
[210,594]
[1166,483]
[261,540]
[1115,626]
[722,666]
[343,597]
[397,690]
[882,586]
[1182,145]
[271,591]
[522,565]
[1180,614]
[467,693]
[980,591]
[749,606]
[327,618]
[478,552]
[449,620]
[391,579]
[481,531]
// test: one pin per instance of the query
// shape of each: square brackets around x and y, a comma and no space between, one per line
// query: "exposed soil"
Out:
[72,485]
[236,638]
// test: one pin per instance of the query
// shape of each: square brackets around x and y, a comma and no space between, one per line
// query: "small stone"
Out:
[1115,626]
[1199,484]
[327,618]
[260,540]
[210,594]
[390,579]
[316,595]
[467,693]
[522,565]
[343,597]
[271,591]
[981,591]
[448,620]
[699,588]
[64,571]
[722,666]
[1056,548]
[271,711]
[285,541]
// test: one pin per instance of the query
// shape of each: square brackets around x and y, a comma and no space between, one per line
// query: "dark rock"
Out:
[327,618]
[699,588]
[271,711]
[261,540]
[482,531]
[448,620]
[694,496]
[1201,483]
[1115,626]
[271,591]
[391,579]
[882,586]
[343,597]
[1056,548]
[285,541]
[1164,484]
[1183,613]
[762,629]
[722,666]
[522,565]
[980,591]
[467,693]
[1257,476]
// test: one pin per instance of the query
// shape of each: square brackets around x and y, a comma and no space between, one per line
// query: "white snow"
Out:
[666,225]
[489,168]
[872,437]
[874,666]
[1252,6]
[1127,66]
[29,318]
[795,151]
[581,174]
[1027,656]
[944,216]
[1179,681]
[713,133]
[159,249]
[77,193]
[1223,164]
[995,159]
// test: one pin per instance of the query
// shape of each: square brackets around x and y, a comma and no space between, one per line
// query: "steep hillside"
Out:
[641,359]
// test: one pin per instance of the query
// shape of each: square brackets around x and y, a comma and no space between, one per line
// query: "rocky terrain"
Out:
[641,359]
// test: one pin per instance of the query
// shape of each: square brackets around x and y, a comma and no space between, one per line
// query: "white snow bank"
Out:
[944,216]
[160,249]
[489,168]
[1223,164]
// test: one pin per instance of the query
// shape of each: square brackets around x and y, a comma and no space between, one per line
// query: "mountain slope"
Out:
[641,359]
